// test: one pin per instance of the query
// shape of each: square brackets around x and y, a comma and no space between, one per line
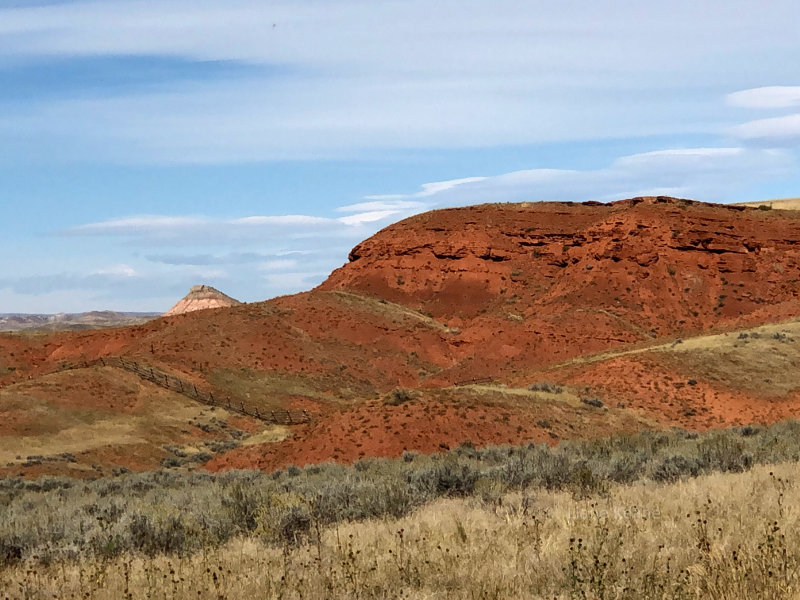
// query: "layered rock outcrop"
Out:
[201,297]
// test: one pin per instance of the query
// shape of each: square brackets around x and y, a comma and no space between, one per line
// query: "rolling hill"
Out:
[435,329]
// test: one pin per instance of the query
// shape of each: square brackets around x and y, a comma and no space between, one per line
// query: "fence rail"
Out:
[474,381]
[190,390]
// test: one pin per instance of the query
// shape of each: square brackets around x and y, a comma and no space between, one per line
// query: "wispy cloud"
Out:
[228,258]
[776,131]
[382,205]
[476,75]
[121,270]
[428,189]
[701,173]
[206,230]
[778,96]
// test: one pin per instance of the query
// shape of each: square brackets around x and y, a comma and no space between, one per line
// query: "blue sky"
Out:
[147,146]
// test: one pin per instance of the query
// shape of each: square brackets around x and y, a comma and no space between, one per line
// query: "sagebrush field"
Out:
[653,515]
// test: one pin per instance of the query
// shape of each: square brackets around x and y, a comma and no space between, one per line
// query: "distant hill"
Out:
[71,321]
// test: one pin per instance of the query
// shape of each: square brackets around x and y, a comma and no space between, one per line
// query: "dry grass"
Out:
[385,308]
[271,435]
[114,409]
[523,396]
[268,390]
[762,360]
[720,536]
[778,204]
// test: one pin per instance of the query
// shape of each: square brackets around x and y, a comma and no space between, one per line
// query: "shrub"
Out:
[723,452]
[285,518]
[398,397]
[547,388]
[152,536]
[584,482]
[10,552]
[53,518]
[242,506]
[673,468]
[447,478]
[596,402]
[627,467]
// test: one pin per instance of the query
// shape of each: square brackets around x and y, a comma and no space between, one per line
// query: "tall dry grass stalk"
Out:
[720,536]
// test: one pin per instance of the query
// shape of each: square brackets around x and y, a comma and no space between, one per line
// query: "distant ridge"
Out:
[201,297]
[97,319]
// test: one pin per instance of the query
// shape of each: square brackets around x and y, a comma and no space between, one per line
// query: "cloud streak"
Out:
[476,75]
[775,131]
[701,173]
[766,97]
[205,230]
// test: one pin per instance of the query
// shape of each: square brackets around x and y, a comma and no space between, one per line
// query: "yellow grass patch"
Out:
[271,435]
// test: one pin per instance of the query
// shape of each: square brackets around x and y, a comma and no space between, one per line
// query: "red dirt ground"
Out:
[501,291]
[431,422]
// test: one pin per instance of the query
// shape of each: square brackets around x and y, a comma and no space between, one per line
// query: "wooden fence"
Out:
[190,390]
[474,381]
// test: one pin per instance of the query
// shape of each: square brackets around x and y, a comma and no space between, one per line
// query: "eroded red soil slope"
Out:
[538,283]
[507,292]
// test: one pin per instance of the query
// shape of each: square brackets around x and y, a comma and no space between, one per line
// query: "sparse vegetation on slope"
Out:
[181,513]
[570,533]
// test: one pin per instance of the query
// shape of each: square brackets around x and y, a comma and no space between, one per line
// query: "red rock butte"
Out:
[201,297]
[465,308]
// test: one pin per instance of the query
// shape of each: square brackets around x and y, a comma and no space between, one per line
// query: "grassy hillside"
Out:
[95,421]
[778,203]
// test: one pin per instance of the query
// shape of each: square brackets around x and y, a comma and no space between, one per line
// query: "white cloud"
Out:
[368,217]
[700,173]
[206,230]
[139,223]
[779,96]
[386,204]
[120,270]
[777,131]
[428,189]
[348,77]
